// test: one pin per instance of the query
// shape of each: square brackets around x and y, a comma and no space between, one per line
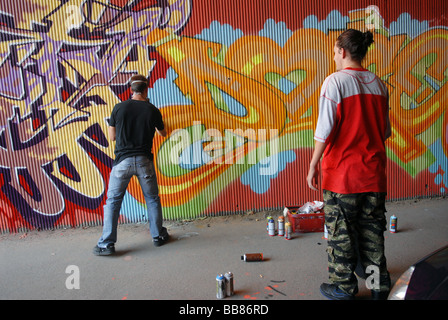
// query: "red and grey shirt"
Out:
[354,123]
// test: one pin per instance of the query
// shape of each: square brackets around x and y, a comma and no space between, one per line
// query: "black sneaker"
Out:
[110,249]
[160,241]
[332,292]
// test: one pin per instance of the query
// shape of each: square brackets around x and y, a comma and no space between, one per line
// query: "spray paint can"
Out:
[281,226]
[271,227]
[248,257]
[393,224]
[229,284]
[220,286]
[267,223]
[288,231]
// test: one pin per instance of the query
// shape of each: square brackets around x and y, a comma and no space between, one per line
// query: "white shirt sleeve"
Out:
[328,103]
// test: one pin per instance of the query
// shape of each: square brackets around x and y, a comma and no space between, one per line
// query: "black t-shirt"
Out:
[135,122]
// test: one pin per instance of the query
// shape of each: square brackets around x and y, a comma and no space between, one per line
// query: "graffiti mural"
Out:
[239,98]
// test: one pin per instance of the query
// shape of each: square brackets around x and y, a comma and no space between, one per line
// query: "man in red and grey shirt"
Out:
[353,122]
[352,127]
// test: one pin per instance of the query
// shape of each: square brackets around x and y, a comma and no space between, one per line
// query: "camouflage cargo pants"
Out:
[356,225]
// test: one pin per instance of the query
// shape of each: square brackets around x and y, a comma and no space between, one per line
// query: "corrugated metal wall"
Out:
[237,83]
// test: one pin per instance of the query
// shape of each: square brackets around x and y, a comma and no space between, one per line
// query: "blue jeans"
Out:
[120,176]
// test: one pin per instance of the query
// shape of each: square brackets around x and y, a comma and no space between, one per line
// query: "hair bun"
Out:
[368,38]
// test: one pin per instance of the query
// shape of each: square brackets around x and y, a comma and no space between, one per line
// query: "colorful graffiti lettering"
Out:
[241,106]
[63,65]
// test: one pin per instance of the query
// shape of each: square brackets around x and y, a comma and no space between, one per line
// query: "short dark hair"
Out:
[139,83]
[355,42]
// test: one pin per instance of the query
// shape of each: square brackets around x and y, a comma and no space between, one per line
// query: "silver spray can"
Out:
[288,231]
[220,286]
[281,226]
[393,224]
[271,227]
[229,284]
[267,223]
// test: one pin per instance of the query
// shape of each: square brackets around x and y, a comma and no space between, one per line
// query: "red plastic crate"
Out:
[306,222]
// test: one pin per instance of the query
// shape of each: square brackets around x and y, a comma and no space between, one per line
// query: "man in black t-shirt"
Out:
[132,125]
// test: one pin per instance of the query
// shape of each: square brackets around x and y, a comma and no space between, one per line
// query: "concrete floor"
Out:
[40,265]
